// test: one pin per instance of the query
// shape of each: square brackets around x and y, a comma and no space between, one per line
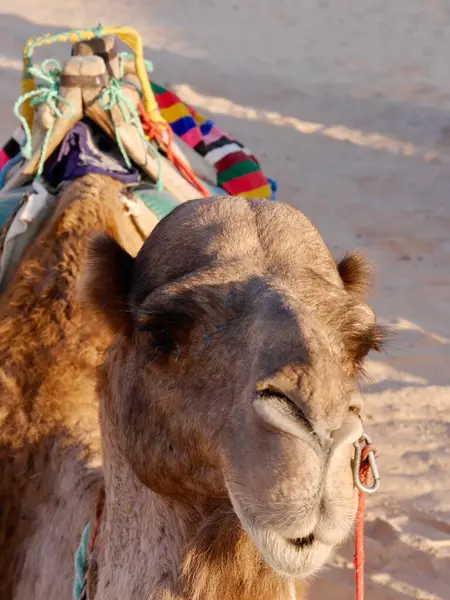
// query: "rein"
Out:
[83,555]
[364,462]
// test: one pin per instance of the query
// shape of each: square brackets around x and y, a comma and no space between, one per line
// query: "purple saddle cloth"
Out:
[86,149]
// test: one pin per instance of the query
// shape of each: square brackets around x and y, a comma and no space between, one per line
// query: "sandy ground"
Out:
[348,105]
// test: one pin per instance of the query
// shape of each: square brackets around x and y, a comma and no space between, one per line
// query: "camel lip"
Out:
[303,542]
[298,557]
[295,557]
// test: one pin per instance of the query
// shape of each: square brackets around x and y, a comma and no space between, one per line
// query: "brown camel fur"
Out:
[50,348]
[226,416]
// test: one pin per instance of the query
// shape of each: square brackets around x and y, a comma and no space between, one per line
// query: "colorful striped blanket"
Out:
[238,171]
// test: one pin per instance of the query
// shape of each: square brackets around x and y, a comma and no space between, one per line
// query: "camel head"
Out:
[233,372]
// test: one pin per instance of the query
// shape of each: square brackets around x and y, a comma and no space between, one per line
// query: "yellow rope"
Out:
[133,40]
[128,35]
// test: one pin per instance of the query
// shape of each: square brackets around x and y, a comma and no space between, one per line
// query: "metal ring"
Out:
[372,465]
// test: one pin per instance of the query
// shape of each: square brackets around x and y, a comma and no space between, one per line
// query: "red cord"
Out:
[154,130]
[358,559]
[95,534]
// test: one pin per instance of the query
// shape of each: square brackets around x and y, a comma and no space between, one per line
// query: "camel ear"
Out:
[356,274]
[106,280]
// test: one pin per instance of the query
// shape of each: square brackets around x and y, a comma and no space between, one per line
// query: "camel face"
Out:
[238,342]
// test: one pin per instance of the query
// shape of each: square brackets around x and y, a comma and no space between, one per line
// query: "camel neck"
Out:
[142,540]
[154,548]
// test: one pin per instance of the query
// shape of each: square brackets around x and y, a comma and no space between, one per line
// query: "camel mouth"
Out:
[296,534]
[298,557]
[303,542]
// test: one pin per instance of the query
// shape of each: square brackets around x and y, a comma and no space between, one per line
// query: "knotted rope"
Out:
[160,131]
[155,130]
[124,56]
[80,565]
[126,34]
[113,96]
[85,549]
[46,93]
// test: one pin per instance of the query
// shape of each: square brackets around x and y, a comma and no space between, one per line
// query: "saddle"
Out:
[100,113]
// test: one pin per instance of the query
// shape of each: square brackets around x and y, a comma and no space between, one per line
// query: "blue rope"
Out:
[114,96]
[46,93]
[123,56]
[98,30]
[81,564]
[7,168]
[274,188]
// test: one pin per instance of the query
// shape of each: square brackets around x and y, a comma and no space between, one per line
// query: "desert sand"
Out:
[347,104]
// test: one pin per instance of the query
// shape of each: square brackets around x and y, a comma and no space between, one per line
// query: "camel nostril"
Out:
[355,410]
[286,405]
[355,404]
[350,430]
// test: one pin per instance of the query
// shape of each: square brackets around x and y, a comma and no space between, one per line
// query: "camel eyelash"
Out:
[167,331]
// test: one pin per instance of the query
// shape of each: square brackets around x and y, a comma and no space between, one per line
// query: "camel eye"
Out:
[167,331]
[160,334]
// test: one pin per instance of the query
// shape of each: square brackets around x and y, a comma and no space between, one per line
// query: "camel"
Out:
[194,403]
[49,351]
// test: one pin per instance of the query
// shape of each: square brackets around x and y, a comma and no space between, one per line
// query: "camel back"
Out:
[100,113]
